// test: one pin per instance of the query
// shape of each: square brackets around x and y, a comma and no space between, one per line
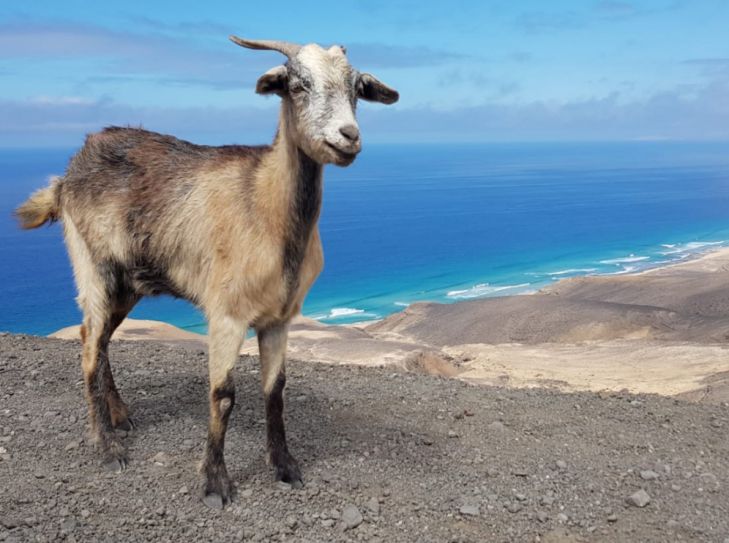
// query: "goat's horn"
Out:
[288,49]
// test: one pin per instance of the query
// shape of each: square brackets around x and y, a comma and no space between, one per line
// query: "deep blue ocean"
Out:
[444,223]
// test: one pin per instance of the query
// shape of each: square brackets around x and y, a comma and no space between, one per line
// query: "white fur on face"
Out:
[322,90]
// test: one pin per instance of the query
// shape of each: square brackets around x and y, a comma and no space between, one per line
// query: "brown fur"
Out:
[232,229]
[40,208]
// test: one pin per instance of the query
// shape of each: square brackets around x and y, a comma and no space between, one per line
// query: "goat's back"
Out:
[141,199]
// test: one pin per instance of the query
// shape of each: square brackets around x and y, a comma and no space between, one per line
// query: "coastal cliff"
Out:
[664,331]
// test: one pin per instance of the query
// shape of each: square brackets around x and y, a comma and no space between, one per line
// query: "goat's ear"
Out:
[274,81]
[373,90]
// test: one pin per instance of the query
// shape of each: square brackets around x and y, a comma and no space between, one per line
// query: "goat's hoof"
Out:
[218,490]
[115,464]
[115,456]
[214,501]
[288,471]
[126,425]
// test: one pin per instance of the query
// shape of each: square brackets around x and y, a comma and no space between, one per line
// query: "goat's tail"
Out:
[42,207]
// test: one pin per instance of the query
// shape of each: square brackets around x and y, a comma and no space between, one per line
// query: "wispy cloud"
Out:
[185,27]
[712,67]
[537,22]
[380,55]
[127,54]
[702,113]
[59,122]
[558,19]
[165,59]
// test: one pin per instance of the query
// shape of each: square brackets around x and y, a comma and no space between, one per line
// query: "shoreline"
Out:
[690,258]
[596,332]
[140,328]
[546,280]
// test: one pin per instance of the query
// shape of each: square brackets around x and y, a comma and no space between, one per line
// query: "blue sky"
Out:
[466,70]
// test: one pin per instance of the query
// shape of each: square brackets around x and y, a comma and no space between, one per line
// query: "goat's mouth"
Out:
[342,157]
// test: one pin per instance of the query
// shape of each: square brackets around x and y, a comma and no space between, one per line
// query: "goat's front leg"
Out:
[225,339]
[272,347]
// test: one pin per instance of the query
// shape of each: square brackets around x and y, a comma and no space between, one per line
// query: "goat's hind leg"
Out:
[97,330]
[99,287]
[272,346]
[117,408]
[225,338]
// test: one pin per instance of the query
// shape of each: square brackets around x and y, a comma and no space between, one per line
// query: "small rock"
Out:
[470,510]
[612,517]
[246,493]
[183,490]
[351,517]
[648,475]
[85,513]
[282,485]
[72,445]
[291,522]
[496,426]
[514,507]
[213,501]
[327,523]
[427,441]
[639,498]
[547,500]
[452,433]
[68,525]
[561,465]
[542,516]
[373,506]
[9,522]
[562,518]
[161,459]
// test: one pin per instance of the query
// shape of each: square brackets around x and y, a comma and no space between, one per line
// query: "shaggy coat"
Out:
[233,229]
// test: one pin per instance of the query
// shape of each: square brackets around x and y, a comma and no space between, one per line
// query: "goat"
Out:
[232,229]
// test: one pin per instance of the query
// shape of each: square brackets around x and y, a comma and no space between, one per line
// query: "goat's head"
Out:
[320,91]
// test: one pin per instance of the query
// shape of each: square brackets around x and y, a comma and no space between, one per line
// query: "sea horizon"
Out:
[439,223]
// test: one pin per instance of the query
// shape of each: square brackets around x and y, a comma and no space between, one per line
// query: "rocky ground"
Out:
[387,456]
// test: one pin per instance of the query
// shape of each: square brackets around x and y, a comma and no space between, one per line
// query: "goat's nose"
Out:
[350,132]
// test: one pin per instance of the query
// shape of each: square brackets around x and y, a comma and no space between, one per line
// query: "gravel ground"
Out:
[387,456]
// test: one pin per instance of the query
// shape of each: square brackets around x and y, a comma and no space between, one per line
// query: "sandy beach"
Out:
[661,331]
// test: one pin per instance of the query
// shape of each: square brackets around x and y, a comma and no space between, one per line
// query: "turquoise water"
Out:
[440,223]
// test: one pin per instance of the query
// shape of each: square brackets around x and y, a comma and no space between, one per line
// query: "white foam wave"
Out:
[481,290]
[343,312]
[626,269]
[572,271]
[625,260]
[690,247]
[402,304]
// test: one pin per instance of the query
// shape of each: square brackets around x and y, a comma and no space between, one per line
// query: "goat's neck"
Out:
[298,180]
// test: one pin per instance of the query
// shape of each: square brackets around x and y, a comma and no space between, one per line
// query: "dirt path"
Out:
[420,458]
